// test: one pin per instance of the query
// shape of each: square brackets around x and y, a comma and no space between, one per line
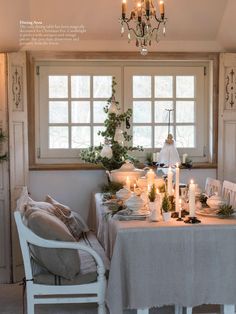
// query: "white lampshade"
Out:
[106,152]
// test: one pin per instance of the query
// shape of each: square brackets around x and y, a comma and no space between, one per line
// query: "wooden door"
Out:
[5,246]
[18,145]
[227,118]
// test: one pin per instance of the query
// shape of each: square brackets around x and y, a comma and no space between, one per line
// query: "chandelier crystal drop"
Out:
[144,23]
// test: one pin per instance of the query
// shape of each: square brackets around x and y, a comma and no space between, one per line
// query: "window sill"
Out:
[87,166]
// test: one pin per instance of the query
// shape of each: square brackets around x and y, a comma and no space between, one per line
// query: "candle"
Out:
[150,177]
[134,187]
[177,188]
[128,183]
[180,207]
[169,179]
[191,199]
[139,9]
[123,8]
[147,7]
[154,158]
[184,158]
[162,8]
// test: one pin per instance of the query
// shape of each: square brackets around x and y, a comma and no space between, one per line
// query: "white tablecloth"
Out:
[155,264]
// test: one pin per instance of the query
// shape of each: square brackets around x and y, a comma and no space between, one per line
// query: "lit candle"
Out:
[184,158]
[169,179]
[162,8]
[123,7]
[177,188]
[191,199]
[180,207]
[134,187]
[139,9]
[128,183]
[150,177]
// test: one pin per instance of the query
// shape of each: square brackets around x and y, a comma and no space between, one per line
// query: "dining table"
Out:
[166,263]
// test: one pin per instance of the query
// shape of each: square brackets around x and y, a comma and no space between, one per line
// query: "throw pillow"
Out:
[61,262]
[71,219]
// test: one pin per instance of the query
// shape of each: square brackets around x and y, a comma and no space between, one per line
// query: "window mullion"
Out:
[69,112]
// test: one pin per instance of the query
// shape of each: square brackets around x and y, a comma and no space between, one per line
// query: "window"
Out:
[70,98]
[156,92]
[71,102]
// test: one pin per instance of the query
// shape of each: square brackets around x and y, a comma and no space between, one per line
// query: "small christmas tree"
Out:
[114,152]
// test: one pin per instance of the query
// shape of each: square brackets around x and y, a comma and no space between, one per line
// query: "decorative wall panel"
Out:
[17,88]
[230,88]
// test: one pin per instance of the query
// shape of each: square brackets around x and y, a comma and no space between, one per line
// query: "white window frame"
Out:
[123,71]
[201,123]
[68,155]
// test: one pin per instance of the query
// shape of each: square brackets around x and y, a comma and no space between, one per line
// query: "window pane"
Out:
[185,136]
[98,139]
[80,136]
[161,133]
[161,114]
[185,111]
[80,86]
[58,86]
[98,113]
[163,86]
[58,112]
[142,86]
[142,112]
[185,86]
[142,136]
[80,111]
[102,86]
[58,137]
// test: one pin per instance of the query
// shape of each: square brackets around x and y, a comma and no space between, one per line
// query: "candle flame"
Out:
[191,181]
[161,2]
[177,165]
[139,5]
[124,1]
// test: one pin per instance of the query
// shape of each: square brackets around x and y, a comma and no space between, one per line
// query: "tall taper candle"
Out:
[123,8]
[191,199]
[169,182]
[162,8]
[177,188]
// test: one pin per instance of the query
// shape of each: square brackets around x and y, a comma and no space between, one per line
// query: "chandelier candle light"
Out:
[143,23]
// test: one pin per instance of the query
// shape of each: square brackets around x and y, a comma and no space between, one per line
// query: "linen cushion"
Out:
[32,205]
[88,270]
[61,262]
[73,220]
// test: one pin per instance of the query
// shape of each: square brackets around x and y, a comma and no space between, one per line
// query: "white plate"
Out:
[212,212]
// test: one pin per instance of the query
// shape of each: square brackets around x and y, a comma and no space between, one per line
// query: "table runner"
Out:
[156,264]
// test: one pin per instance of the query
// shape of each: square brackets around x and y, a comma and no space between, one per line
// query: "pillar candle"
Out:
[184,158]
[161,7]
[191,199]
[128,183]
[177,188]
[151,177]
[169,182]
[123,7]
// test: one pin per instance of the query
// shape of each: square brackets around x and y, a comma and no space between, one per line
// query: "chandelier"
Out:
[143,24]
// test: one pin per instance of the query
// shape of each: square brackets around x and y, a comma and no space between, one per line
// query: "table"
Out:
[163,263]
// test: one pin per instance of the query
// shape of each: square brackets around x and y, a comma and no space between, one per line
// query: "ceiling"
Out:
[193,25]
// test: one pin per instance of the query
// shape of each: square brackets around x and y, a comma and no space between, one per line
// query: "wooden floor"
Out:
[11,303]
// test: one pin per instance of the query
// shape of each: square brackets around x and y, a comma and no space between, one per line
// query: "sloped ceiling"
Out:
[193,25]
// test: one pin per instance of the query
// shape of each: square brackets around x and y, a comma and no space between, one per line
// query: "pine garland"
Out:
[120,152]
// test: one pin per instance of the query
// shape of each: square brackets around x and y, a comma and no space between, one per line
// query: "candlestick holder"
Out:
[180,219]
[192,220]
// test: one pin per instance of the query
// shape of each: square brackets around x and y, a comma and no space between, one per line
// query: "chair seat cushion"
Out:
[88,269]
[61,262]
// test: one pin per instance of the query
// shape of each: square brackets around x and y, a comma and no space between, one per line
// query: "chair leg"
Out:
[189,310]
[30,303]
[178,309]
[101,308]
[227,309]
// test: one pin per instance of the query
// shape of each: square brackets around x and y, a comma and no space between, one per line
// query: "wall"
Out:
[75,187]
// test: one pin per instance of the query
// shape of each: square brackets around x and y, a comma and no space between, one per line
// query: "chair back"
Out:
[229,193]
[212,186]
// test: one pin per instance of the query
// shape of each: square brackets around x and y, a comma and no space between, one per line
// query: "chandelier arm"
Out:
[131,29]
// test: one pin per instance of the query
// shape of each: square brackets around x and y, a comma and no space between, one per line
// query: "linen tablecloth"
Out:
[156,264]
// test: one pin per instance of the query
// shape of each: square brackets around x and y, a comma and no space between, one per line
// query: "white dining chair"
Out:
[229,193]
[212,186]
